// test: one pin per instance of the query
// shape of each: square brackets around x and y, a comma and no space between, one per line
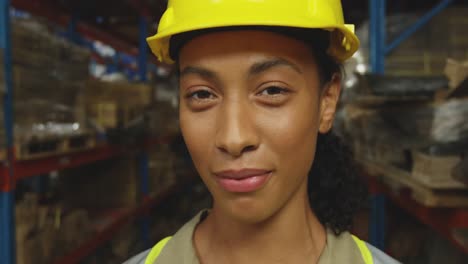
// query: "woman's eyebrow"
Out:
[203,72]
[263,66]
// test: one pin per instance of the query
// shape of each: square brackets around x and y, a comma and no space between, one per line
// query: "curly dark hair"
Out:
[336,192]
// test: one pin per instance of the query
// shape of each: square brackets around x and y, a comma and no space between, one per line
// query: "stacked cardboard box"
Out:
[115,104]
[48,73]
[45,232]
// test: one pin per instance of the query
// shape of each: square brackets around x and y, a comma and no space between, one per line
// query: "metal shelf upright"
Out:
[143,158]
[378,50]
[7,222]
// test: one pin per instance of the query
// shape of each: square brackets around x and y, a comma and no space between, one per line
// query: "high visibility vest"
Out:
[156,250]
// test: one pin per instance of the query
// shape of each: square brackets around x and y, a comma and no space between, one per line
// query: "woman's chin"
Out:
[247,210]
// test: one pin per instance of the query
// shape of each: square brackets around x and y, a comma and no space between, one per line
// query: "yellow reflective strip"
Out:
[366,254]
[156,250]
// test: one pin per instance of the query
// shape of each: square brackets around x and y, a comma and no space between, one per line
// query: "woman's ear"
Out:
[329,102]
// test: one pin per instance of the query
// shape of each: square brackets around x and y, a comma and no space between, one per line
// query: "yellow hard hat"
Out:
[188,15]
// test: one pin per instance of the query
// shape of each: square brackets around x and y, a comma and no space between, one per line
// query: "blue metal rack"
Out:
[7,222]
[144,159]
[378,50]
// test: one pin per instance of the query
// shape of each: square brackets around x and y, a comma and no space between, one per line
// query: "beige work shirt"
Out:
[180,249]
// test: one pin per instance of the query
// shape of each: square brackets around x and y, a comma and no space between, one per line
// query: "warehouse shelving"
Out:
[440,220]
[116,219]
[445,221]
[29,168]
[41,8]
[12,169]
[82,32]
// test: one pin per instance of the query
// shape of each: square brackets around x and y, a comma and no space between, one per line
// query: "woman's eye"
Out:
[274,95]
[201,95]
[200,99]
[272,91]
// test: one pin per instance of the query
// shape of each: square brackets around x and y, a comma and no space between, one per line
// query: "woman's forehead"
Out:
[225,45]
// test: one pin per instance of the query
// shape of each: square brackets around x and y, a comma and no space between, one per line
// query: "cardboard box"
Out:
[114,105]
[105,114]
[436,171]
[456,71]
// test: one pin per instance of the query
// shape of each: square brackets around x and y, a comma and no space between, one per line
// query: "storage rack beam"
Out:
[30,168]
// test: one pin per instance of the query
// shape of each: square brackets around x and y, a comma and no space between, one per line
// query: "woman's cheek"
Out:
[289,125]
[291,134]
[196,133]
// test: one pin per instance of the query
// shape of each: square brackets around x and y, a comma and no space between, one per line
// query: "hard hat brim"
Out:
[341,49]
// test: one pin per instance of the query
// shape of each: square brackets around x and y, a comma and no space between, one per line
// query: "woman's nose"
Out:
[236,132]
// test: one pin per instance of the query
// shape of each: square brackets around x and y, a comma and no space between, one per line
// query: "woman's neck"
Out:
[292,235]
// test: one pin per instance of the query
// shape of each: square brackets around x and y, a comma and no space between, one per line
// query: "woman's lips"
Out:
[243,181]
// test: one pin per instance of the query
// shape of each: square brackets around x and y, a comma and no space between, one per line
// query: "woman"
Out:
[259,85]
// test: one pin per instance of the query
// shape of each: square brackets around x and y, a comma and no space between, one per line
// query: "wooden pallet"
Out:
[35,148]
[401,179]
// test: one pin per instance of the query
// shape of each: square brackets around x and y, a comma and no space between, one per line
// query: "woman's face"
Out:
[251,107]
